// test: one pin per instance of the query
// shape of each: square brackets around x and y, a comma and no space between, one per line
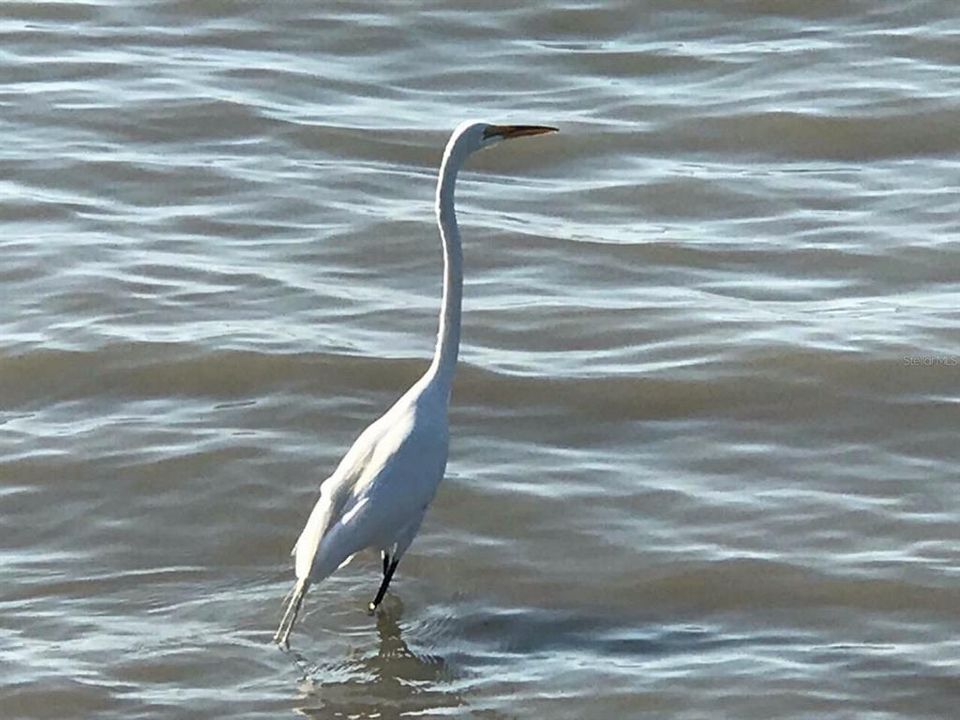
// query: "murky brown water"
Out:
[704,459]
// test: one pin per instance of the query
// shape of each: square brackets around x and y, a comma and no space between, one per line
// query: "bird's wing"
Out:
[386,478]
[331,506]
[337,496]
[399,480]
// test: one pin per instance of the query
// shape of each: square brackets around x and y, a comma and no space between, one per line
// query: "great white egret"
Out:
[379,493]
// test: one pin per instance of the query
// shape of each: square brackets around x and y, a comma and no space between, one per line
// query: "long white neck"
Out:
[448,336]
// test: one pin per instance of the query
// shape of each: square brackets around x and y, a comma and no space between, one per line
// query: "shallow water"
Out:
[704,428]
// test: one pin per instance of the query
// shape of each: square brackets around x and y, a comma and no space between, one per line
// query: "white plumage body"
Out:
[380,491]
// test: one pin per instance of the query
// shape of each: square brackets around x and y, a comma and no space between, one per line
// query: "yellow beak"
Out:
[514,131]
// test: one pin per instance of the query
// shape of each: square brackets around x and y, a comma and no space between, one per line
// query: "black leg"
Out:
[386,562]
[383,586]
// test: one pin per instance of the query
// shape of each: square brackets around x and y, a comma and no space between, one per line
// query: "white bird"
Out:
[380,491]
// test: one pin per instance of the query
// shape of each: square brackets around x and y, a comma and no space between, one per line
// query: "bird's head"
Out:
[471,136]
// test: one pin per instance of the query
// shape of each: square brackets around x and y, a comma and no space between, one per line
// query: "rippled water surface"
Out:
[704,458]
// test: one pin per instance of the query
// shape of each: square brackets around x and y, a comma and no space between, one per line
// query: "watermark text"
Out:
[931,360]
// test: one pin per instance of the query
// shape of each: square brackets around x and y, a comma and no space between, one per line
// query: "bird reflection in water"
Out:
[395,682]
